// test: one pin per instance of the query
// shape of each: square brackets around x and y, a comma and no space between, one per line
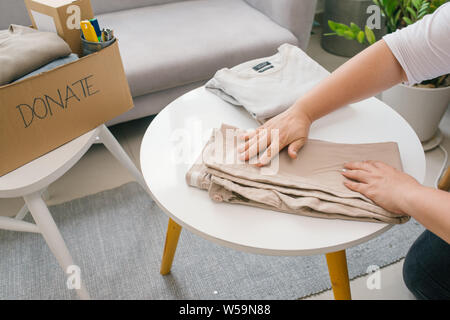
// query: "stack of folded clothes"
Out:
[24,50]
[266,87]
[311,185]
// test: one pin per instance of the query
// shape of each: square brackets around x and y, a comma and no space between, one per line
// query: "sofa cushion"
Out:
[175,44]
[105,6]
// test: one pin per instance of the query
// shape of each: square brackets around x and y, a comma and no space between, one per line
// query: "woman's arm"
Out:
[400,193]
[419,52]
[431,208]
[369,72]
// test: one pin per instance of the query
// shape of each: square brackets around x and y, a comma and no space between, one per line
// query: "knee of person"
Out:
[419,263]
[410,271]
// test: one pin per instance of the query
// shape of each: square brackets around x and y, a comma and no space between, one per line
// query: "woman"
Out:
[413,54]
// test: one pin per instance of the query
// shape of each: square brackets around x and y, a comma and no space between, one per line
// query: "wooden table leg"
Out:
[172,236]
[337,268]
[444,183]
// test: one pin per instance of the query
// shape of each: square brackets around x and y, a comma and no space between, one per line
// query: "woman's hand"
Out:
[383,184]
[293,128]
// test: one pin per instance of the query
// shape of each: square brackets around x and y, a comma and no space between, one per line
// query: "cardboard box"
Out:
[62,17]
[48,110]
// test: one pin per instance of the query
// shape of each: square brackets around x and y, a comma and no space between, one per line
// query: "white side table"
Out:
[30,180]
[180,132]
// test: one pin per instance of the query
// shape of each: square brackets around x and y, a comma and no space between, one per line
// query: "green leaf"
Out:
[425,6]
[349,35]
[425,9]
[417,3]
[355,29]
[390,6]
[340,32]
[335,26]
[332,25]
[421,15]
[397,16]
[393,24]
[407,20]
[370,35]
[343,27]
[412,12]
[360,37]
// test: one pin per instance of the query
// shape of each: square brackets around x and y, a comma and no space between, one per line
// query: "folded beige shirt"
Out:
[23,50]
[311,185]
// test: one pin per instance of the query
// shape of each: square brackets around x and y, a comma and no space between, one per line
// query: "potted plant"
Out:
[345,11]
[424,104]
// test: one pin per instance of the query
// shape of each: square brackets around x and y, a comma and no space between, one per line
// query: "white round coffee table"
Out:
[175,138]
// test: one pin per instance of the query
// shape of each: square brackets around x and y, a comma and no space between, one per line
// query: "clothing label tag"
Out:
[261,65]
[265,69]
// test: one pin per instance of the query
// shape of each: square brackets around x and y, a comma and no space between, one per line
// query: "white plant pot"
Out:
[423,108]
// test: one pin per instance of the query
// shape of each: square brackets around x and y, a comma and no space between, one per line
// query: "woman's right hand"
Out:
[293,129]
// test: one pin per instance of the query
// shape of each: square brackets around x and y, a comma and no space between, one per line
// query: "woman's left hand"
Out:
[383,184]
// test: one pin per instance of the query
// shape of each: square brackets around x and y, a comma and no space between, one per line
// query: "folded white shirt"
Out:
[268,86]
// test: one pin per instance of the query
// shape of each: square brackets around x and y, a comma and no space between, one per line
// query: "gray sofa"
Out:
[170,47]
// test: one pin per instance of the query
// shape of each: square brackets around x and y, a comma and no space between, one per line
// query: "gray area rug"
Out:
[117,237]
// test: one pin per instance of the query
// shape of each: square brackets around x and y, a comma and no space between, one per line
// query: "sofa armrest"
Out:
[294,15]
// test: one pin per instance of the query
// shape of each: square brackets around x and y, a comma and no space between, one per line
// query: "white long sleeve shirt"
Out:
[423,48]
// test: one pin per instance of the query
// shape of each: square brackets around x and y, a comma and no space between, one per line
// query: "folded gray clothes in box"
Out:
[52,65]
[268,86]
[311,185]
[24,49]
